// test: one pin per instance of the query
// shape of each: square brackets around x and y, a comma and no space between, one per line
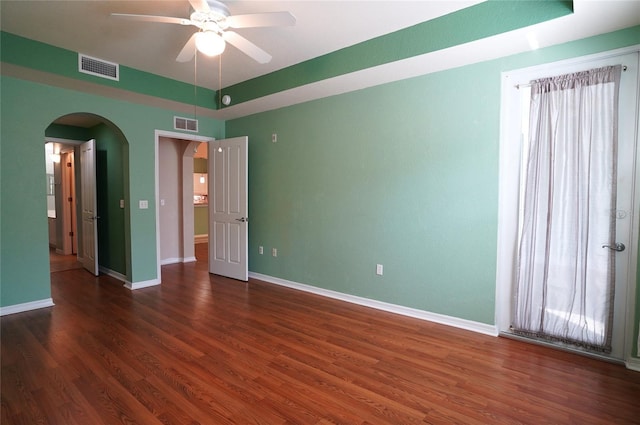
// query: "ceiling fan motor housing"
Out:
[218,8]
[213,19]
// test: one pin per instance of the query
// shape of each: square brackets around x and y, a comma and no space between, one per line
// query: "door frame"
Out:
[68,218]
[158,134]
[508,188]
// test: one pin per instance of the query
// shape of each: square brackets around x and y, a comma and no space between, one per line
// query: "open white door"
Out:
[228,208]
[89,251]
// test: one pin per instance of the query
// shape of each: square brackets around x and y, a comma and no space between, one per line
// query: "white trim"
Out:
[456,322]
[168,261]
[157,136]
[72,142]
[139,285]
[177,260]
[633,363]
[32,305]
[112,273]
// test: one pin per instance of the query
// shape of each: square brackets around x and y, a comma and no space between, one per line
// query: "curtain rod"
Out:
[517,86]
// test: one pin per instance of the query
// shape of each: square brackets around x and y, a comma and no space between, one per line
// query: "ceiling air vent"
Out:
[187,124]
[98,67]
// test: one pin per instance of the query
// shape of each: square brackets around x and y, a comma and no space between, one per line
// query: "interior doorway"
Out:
[60,169]
[227,206]
[66,136]
[201,201]
[181,198]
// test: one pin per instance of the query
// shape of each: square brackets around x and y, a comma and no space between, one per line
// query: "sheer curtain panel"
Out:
[565,278]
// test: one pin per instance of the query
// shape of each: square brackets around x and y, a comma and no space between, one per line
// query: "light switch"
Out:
[121,203]
[144,204]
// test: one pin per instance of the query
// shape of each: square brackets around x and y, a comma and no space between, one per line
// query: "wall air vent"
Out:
[98,67]
[187,124]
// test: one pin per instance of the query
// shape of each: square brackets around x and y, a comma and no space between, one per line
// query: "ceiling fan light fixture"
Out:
[210,43]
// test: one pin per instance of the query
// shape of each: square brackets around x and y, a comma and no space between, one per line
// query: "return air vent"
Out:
[187,124]
[98,67]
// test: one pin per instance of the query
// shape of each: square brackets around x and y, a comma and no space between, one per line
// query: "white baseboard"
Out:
[201,238]
[168,261]
[633,363]
[177,260]
[456,322]
[19,308]
[113,274]
[139,285]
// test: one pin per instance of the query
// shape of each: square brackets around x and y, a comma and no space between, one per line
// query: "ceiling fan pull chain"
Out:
[219,81]
[195,85]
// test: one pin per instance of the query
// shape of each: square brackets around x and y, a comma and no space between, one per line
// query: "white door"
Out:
[89,207]
[514,114]
[228,208]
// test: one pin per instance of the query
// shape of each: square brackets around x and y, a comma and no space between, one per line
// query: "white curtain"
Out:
[565,278]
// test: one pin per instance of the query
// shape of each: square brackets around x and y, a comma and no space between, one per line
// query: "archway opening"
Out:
[64,139]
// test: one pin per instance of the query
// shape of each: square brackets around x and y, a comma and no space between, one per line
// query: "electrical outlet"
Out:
[274,137]
[379,269]
[274,252]
[260,250]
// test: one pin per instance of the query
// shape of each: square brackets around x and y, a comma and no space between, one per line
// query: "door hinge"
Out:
[69,164]
[70,233]
[70,199]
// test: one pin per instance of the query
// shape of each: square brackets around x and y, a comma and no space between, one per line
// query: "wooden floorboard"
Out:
[202,349]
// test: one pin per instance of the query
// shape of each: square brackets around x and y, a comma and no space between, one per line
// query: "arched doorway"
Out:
[64,137]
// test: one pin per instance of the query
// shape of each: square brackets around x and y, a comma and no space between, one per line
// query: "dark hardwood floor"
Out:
[59,262]
[209,350]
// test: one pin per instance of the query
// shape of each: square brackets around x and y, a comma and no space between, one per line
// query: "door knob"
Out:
[242,219]
[619,246]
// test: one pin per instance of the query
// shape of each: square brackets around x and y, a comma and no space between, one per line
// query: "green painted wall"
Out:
[67,132]
[27,110]
[110,190]
[200,165]
[404,174]
[32,54]
[200,220]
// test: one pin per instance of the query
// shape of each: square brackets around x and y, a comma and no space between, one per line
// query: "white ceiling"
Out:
[322,27]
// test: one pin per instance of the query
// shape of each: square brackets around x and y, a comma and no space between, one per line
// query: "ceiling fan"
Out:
[213,20]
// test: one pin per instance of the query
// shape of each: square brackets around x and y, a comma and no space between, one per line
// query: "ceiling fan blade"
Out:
[188,51]
[270,19]
[152,18]
[246,47]
[200,5]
